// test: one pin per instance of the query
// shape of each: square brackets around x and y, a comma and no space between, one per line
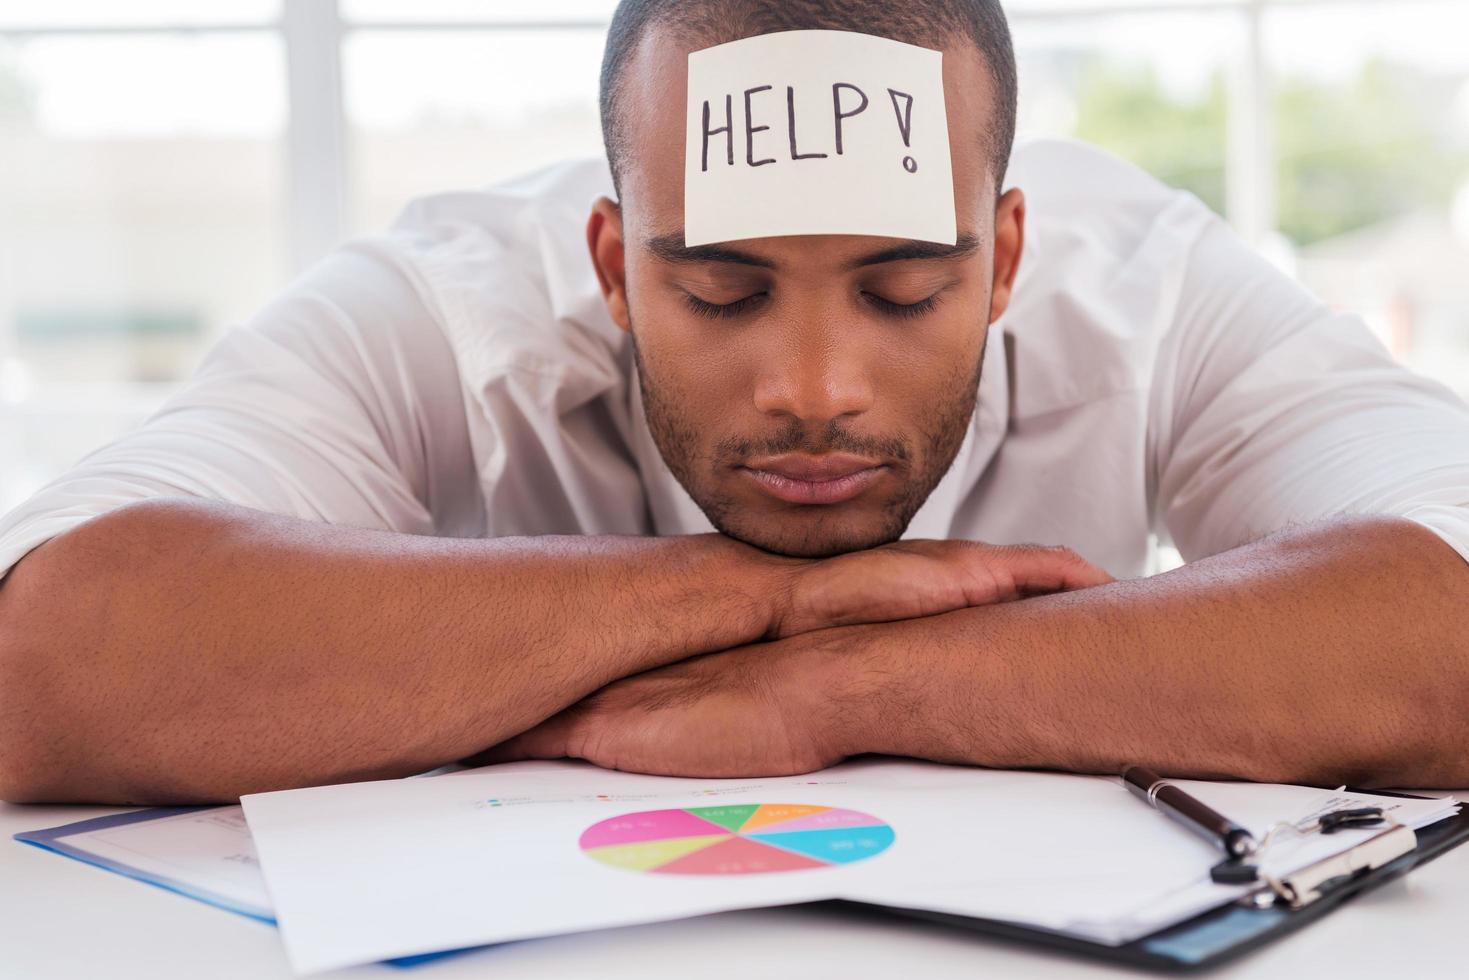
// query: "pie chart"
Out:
[738,839]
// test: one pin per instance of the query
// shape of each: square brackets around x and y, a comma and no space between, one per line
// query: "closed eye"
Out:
[716,311]
[888,307]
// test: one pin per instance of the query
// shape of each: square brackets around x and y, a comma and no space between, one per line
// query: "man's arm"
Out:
[1331,654]
[1325,655]
[183,651]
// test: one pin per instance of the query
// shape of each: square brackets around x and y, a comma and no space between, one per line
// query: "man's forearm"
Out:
[177,651]
[1336,653]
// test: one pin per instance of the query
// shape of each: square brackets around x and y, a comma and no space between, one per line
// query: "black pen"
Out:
[1159,793]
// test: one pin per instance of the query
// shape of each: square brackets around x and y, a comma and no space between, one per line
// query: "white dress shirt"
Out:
[459,375]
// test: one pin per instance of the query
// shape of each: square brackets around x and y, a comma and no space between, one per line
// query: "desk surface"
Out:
[62,918]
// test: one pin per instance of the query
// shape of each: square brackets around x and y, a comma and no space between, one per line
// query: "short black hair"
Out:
[921,22]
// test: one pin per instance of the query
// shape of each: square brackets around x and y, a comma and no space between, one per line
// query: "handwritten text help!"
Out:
[817,132]
[902,106]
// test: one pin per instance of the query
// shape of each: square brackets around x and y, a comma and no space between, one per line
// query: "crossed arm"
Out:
[183,652]
[1326,654]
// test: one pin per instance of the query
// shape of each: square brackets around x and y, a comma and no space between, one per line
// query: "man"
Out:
[484,486]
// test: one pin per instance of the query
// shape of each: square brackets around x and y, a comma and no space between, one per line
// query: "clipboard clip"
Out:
[1302,887]
[1244,870]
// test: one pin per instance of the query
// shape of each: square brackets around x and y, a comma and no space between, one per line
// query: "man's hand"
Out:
[765,710]
[422,649]
[1197,671]
[909,579]
[777,708]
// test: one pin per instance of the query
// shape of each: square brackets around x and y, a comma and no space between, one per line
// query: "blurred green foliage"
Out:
[1348,155]
[1180,141]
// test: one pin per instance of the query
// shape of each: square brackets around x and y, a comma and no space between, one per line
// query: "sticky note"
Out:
[817,132]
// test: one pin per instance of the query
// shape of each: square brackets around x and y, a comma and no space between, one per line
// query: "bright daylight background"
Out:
[165,165]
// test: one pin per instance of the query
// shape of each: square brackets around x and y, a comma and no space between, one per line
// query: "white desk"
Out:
[61,918]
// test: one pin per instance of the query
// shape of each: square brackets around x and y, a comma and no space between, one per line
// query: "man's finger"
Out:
[545,741]
[1042,569]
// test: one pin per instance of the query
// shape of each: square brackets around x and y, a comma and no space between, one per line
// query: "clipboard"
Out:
[1220,934]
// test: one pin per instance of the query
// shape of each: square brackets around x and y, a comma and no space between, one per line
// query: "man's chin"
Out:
[816,537]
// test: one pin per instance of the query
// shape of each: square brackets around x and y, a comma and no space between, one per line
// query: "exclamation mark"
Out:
[905,124]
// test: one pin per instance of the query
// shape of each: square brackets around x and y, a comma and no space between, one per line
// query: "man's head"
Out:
[808,391]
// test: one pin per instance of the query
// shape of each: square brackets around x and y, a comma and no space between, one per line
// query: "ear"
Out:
[604,239]
[1009,242]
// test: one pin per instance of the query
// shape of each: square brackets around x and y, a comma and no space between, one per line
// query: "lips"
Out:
[798,478]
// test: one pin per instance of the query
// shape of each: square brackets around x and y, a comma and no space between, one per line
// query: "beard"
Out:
[920,459]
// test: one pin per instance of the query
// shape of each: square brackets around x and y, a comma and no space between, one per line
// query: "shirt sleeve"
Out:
[339,402]
[1270,410]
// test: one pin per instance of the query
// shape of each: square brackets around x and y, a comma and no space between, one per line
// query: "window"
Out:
[1371,112]
[440,109]
[1150,86]
[165,165]
[138,219]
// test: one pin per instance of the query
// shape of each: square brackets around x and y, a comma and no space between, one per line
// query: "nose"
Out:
[818,376]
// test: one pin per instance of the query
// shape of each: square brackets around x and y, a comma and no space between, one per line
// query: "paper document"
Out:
[201,852]
[370,871]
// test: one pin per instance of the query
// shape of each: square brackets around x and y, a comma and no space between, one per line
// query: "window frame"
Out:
[317,154]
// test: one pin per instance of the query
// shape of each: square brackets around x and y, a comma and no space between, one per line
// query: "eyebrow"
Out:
[965,246]
[670,248]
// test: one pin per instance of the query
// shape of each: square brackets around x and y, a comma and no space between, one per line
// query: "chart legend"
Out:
[745,838]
